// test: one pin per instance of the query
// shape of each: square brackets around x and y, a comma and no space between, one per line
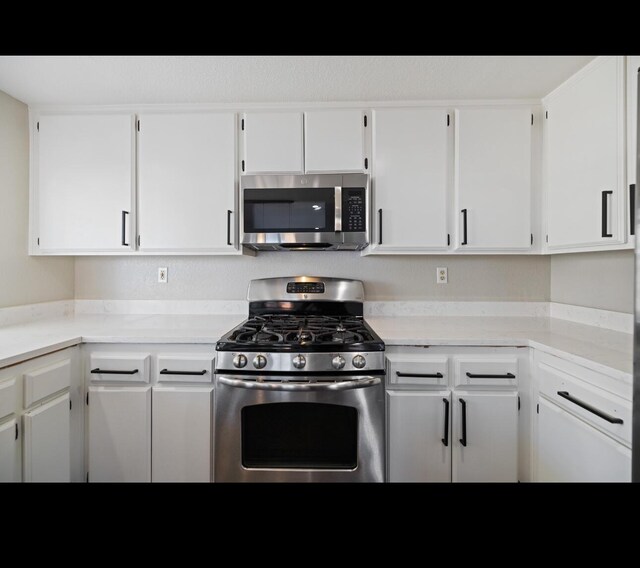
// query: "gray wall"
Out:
[597,280]
[23,279]
[495,278]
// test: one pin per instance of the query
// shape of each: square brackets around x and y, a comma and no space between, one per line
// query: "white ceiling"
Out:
[219,79]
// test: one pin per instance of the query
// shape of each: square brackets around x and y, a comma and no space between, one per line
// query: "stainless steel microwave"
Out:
[305,212]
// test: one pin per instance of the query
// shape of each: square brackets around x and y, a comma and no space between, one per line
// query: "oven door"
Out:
[329,430]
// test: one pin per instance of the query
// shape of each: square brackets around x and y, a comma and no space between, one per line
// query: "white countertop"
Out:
[601,349]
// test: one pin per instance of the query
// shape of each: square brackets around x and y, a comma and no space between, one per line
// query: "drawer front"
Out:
[43,382]
[482,371]
[185,368]
[8,393]
[119,367]
[595,406]
[417,370]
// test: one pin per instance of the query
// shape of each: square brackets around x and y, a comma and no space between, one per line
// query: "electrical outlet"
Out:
[441,275]
[163,275]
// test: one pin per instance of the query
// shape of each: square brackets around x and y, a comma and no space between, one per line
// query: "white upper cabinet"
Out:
[585,141]
[186,182]
[273,143]
[334,141]
[411,163]
[83,181]
[493,178]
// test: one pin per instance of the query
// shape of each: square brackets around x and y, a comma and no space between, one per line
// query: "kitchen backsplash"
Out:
[489,278]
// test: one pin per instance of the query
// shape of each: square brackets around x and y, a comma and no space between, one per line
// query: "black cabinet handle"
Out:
[98,371]
[592,409]
[16,431]
[229,213]
[420,375]
[632,209]
[124,229]
[167,372]
[379,226]
[505,376]
[445,440]
[605,213]
[464,226]
[463,440]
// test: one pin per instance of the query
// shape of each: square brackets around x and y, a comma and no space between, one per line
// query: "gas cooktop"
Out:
[293,332]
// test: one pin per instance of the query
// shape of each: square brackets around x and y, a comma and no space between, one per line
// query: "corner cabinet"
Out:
[410,181]
[493,178]
[585,159]
[82,183]
[187,182]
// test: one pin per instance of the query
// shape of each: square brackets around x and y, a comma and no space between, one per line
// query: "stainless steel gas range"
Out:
[300,386]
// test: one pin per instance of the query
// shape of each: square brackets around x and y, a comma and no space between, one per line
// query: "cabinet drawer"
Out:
[43,382]
[8,393]
[486,371]
[184,368]
[595,406]
[417,370]
[119,367]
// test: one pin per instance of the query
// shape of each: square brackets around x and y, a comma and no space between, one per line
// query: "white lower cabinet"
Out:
[485,436]
[419,436]
[454,414]
[181,434]
[569,449]
[9,451]
[119,433]
[46,441]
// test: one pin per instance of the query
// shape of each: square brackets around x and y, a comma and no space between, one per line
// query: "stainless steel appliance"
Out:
[635,223]
[300,386]
[305,212]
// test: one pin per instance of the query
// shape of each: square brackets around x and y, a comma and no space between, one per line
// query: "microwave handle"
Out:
[338,199]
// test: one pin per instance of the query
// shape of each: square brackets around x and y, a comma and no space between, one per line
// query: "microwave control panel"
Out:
[353,210]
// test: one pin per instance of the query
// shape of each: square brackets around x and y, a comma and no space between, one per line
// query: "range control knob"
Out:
[240,361]
[359,361]
[259,361]
[299,361]
[338,362]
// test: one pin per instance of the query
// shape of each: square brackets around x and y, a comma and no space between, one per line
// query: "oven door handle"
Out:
[360,383]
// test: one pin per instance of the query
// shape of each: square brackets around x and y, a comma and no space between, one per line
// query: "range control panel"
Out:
[353,210]
[305,287]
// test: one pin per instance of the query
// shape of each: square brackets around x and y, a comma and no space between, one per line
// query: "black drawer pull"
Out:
[101,372]
[167,372]
[505,376]
[420,375]
[124,229]
[605,214]
[632,209]
[445,440]
[379,226]
[229,213]
[592,409]
[464,226]
[463,440]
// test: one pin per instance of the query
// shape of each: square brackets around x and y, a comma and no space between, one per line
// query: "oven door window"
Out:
[300,435]
[289,210]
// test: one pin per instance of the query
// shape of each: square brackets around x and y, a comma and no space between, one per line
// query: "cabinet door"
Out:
[419,436]
[186,181]
[585,158]
[181,435]
[9,452]
[85,182]
[410,161]
[493,178]
[119,433]
[334,141]
[273,142]
[46,442]
[633,65]
[485,436]
[572,450]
